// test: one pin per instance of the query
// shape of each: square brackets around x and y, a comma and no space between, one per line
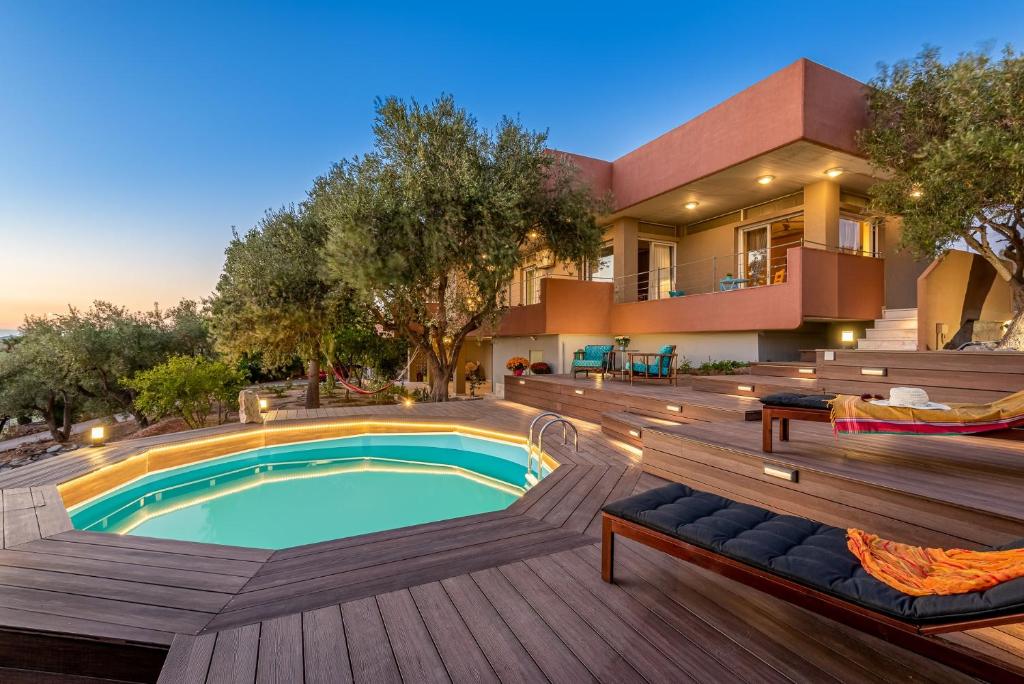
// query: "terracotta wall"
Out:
[901,269]
[567,306]
[955,288]
[841,286]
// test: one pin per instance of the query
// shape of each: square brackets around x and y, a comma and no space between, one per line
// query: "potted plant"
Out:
[540,368]
[622,341]
[517,364]
[474,377]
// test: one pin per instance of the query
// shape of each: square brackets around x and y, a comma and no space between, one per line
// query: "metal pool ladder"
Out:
[555,419]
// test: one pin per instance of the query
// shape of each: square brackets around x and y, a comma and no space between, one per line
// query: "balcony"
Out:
[806,284]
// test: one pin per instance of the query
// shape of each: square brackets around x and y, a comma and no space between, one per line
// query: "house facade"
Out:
[742,234]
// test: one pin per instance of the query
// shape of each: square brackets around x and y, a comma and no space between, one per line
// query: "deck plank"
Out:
[188,661]
[460,652]
[417,656]
[235,656]
[324,649]
[370,652]
[280,654]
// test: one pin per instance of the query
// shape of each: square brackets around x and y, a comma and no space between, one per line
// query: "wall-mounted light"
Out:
[692,204]
[765,179]
[805,371]
[98,435]
[834,172]
[878,372]
[846,336]
[745,388]
[264,405]
[674,408]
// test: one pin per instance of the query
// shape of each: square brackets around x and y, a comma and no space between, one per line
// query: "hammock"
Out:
[359,390]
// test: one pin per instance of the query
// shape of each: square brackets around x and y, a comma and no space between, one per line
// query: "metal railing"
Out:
[556,419]
[719,273]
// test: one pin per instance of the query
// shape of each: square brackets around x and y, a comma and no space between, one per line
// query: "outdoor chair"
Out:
[659,365]
[808,564]
[593,359]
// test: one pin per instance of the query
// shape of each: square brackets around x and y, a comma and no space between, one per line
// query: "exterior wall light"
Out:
[847,336]
[765,180]
[98,435]
[692,204]
[835,172]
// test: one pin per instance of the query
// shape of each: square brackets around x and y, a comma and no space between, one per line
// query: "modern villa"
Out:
[744,234]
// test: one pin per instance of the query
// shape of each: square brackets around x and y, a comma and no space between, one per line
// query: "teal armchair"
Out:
[593,359]
[659,365]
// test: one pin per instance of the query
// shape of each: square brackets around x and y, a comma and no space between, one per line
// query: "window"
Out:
[605,268]
[531,286]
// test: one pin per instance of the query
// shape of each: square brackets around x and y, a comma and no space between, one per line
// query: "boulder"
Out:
[249,407]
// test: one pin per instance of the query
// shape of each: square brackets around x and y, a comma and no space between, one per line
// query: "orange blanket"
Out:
[919,571]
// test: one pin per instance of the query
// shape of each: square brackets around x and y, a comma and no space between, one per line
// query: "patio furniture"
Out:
[729,283]
[593,358]
[618,362]
[659,365]
[807,563]
[786,406]
[676,293]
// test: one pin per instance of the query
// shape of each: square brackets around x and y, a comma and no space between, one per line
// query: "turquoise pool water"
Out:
[294,494]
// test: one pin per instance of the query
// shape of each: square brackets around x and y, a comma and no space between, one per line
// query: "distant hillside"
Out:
[4,332]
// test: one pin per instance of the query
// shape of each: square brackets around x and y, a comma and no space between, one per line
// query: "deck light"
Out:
[835,172]
[98,435]
[745,388]
[522,382]
[873,371]
[674,408]
[781,472]
[578,391]
[407,402]
[634,433]
[264,405]
[692,204]
[805,371]
[766,179]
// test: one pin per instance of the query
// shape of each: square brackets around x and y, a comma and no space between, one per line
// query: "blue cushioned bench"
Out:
[807,563]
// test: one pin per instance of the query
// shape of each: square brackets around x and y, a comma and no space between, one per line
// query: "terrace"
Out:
[514,595]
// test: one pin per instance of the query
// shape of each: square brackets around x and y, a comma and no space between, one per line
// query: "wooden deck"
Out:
[508,596]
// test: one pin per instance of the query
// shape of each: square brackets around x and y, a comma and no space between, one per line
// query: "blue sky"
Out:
[134,135]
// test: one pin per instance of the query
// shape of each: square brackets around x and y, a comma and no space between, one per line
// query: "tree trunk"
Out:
[1014,336]
[313,384]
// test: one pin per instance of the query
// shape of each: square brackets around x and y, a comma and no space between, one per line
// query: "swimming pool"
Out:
[289,495]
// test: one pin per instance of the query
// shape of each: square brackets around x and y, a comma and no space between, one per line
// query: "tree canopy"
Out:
[429,228]
[949,141]
[273,297]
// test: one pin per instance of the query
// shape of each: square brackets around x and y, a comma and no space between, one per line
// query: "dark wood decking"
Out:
[508,596]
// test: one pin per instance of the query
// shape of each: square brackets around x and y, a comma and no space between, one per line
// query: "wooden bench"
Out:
[784,414]
[677,507]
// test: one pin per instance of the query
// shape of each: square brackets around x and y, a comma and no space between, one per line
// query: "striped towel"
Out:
[920,571]
[853,415]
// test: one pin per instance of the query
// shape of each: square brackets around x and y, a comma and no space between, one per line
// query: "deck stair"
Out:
[755,384]
[629,427]
[896,330]
[785,369]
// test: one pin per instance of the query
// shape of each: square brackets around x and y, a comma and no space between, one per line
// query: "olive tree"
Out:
[429,227]
[272,298]
[948,140]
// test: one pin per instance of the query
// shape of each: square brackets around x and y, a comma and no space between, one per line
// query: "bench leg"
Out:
[607,551]
[783,429]
[766,432]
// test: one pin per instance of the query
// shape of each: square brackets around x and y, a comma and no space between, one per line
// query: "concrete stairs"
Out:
[896,330]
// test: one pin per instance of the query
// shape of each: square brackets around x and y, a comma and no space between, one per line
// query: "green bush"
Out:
[190,387]
[709,367]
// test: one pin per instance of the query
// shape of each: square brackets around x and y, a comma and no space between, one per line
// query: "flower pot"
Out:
[517,372]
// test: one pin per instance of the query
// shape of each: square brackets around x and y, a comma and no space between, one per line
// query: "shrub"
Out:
[709,367]
[190,387]
[540,368]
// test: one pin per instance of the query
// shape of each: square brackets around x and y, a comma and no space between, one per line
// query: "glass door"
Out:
[662,265]
[753,257]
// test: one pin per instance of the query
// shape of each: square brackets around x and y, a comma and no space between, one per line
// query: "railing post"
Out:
[714,272]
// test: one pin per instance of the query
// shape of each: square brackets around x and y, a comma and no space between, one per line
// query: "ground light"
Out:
[98,435]
[264,405]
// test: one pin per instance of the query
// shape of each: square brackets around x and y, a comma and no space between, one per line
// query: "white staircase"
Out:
[896,330]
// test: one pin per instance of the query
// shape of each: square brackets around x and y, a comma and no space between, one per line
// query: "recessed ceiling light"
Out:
[692,204]
[834,172]
[765,180]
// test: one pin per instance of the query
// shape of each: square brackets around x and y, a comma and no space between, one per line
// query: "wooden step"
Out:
[754,386]
[629,427]
[783,369]
[896,324]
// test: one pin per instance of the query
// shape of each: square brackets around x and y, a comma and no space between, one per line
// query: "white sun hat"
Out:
[910,397]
